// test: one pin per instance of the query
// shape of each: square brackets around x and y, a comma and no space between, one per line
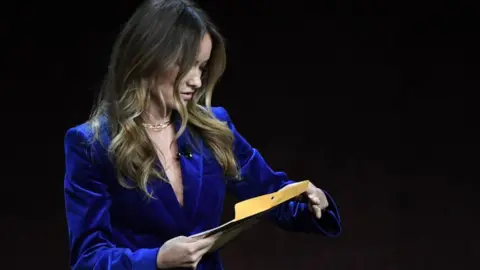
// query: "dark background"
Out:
[374,101]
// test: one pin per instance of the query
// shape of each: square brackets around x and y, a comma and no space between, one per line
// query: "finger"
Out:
[204,250]
[317,210]
[202,243]
[198,255]
[216,236]
[324,200]
[325,204]
[320,199]
[192,260]
[194,267]
[314,199]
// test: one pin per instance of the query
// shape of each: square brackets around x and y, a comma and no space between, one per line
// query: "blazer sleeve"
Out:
[257,178]
[87,202]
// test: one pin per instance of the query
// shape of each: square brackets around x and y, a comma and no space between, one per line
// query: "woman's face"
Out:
[191,82]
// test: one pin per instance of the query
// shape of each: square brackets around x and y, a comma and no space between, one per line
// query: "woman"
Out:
[152,165]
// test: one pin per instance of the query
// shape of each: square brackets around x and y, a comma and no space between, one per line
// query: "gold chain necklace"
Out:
[157,127]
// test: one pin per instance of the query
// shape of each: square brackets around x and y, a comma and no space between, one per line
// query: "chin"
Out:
[185,101]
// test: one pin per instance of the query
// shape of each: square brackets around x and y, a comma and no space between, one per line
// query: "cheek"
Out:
[183,84]
[167,84]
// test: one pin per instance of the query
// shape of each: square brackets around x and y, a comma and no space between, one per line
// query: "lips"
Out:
[187,95]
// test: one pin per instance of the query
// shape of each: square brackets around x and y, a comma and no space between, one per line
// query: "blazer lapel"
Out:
[190,151]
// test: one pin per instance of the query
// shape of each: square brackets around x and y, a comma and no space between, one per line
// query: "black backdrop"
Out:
[372,100]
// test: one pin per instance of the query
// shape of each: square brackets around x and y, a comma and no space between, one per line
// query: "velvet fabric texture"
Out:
[111,227]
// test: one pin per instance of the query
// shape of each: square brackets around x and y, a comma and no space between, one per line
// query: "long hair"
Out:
[159,35]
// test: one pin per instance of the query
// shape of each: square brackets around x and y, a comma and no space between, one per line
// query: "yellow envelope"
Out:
[249,212]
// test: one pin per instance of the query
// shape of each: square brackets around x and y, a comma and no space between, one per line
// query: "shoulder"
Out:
[83,130]
[80,134]
[86,153]
[85,134]
[221,114]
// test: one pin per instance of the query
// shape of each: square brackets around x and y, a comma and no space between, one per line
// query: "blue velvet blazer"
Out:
[111,227]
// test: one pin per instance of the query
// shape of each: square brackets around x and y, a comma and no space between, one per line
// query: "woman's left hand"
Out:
[317,201]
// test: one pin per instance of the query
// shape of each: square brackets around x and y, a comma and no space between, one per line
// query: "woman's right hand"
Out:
[183,252]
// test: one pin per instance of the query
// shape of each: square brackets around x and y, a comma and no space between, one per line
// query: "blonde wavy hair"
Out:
[159,35]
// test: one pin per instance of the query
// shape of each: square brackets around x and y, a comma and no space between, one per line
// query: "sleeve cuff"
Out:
[145,259]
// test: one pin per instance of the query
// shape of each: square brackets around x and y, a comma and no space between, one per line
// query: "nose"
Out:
[195,81]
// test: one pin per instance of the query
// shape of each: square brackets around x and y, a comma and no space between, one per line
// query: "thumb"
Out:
[310,207]
[314,199]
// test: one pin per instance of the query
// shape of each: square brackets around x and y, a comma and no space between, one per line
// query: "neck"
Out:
[154,114]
